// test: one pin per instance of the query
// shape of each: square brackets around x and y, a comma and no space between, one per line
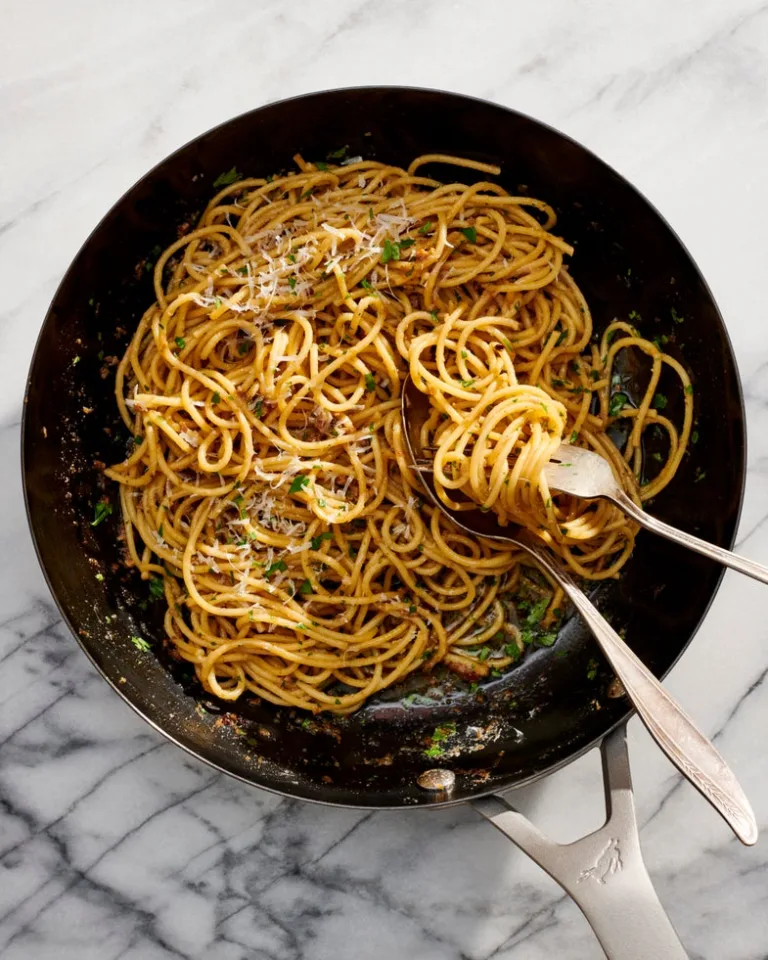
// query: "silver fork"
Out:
[585,474]
[686,746]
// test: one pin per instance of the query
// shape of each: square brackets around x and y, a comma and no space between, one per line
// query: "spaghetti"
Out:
[268,490]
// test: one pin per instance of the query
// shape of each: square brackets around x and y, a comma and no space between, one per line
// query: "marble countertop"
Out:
[116,844]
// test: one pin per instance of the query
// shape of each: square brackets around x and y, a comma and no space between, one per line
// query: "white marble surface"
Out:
[114,843]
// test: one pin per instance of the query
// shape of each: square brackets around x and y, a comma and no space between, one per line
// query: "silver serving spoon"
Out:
[690,751]
[586,474]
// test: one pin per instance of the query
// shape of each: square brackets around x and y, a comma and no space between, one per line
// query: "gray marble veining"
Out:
[115,844]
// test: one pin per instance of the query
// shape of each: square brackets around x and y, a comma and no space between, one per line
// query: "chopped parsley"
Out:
[689,389]
[306,587]
[140,643]
[592,669]
[275,567]
[316,541]
[467,383]
[299,482]
[224,179]
[180,342]
[258,409]
[617,404]
[292,283]
[390,251]
[370,382]
[536,612]
[470,233]
[440,735]
[546,639]
[320,165]
[339,154]
[103,510]
[156,588]
[367,285]
[659,401]
[216,398]
[695,436]
[700,474]
[425,227]
[676,316]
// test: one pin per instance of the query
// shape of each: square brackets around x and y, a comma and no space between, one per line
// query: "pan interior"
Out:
[556,703]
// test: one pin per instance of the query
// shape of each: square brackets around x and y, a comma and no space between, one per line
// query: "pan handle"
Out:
[604,871]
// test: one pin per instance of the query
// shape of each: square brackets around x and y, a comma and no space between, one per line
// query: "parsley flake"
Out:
[390,251]
[617,404]
[299,482]
[225,179]
[103,510]
[316,541]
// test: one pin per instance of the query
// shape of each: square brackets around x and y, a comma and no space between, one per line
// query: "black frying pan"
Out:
[556,704]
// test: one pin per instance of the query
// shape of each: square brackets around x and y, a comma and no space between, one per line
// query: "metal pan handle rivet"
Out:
[437,780]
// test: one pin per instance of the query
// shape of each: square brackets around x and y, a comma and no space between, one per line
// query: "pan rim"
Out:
[428,802]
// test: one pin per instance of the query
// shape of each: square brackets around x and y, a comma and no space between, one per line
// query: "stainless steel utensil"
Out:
[586,474]
[691,752]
